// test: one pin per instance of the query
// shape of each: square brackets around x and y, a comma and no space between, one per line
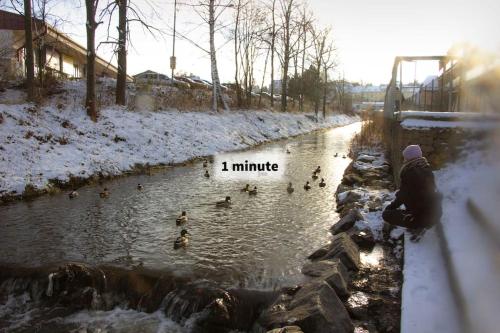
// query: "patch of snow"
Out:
[427,304]
[471,125]
[38,145]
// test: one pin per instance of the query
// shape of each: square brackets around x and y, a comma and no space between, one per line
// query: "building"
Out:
[151,77]
[54,51]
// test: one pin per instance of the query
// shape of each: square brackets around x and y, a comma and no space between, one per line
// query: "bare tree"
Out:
[91,26]
[121,77]
[236,53]
[28,56]
[128,12]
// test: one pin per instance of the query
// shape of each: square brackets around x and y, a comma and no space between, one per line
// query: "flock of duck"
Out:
[182,241]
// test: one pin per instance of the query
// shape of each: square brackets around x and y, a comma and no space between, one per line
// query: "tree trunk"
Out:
[273,38]
[236,79]
[216,88]
[121,78]
[301,101]
[324,93]
[28,56]
[90,99]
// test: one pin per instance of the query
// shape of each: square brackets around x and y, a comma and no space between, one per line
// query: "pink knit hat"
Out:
[411,152]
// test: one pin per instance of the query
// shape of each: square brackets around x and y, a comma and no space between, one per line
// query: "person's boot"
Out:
[416,234]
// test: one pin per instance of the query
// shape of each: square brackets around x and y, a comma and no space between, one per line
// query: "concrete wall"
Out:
[439,145]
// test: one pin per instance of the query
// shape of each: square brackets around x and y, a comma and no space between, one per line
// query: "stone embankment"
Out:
[354,282]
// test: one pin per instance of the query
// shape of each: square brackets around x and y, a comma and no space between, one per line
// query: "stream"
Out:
[261,242]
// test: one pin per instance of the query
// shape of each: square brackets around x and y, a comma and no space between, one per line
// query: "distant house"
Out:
[151,77]
[55,51]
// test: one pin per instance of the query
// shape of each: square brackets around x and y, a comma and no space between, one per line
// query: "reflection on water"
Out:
[260,241]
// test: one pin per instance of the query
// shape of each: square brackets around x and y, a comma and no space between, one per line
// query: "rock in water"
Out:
[343,248]
[332,272]
[315,308]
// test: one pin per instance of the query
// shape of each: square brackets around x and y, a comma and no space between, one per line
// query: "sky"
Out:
[368,35]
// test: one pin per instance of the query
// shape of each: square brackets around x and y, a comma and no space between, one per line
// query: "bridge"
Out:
[444,115]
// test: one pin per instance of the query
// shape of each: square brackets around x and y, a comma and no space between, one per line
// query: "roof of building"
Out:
[14,21]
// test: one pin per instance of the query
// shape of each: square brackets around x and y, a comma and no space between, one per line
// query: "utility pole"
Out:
[172,58]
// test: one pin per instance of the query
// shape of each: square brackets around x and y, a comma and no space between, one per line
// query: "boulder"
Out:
[357,305]
[319,253]
[332,272]
[348,197]
[366,158]
[346,222]
[363,237]
[286,329]
[351,179]
[344,249]
[315,308]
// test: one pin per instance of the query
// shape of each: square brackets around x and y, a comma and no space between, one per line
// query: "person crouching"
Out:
[418,193]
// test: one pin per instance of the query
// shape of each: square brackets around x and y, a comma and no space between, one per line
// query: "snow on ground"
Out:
[428,302]
[473,246]
[471,125]
[37,145]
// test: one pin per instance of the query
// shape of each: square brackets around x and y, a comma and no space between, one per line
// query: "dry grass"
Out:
[372,131]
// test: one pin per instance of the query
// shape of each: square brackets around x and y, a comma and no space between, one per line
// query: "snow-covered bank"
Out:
[50,143]
[470,240]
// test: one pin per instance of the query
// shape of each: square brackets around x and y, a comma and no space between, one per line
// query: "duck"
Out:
[182,241]
[182,218]
[307,187]
[226,203]
[288,151]
[318,169]
[322,183]
[343,156]
[314,176]
[207,175]
[336,155]
[205,163]
[246,188]
[104,193]
[290,188]
[73,194]
[139,187]
[253,192]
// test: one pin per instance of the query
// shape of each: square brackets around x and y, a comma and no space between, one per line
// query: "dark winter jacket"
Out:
[418,190]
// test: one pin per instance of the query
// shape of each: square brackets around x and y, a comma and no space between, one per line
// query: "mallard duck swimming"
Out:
[182,241]
[253,192]
[307,187]
[322,183]
[205,163]
[226,203]
[314,176]
[104,193]
[139,187]
[207,175]
[336,155]
[246,188]
[73,194]
[318,169]
[182,218]
[290,188]
[343,156]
